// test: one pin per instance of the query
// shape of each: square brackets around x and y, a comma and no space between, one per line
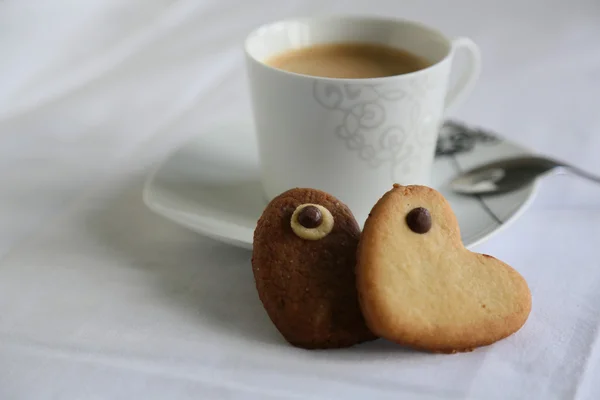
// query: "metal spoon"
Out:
[512,173]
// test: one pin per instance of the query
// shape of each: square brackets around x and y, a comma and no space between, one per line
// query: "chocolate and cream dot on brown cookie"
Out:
[311,221]
[310,216]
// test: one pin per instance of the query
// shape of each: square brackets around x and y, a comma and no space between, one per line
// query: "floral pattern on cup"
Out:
[363,125]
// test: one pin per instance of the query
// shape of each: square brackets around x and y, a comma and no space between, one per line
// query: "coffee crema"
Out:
[348,61]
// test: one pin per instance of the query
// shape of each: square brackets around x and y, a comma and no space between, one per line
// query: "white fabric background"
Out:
[101,299]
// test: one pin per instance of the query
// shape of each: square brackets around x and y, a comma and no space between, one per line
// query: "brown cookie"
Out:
[304,257]
[420,287]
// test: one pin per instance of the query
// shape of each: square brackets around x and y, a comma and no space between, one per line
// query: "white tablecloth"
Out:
[101,299]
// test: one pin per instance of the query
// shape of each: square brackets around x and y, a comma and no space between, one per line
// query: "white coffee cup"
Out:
[352,138]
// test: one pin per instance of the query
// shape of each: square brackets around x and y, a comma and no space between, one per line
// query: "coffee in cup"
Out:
[348,61]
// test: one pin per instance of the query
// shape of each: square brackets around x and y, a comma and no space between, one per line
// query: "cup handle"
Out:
[467,78]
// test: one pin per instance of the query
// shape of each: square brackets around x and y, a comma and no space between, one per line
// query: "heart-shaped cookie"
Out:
[420,287]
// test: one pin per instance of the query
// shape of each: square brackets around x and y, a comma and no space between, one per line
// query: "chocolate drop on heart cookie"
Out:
[419,220]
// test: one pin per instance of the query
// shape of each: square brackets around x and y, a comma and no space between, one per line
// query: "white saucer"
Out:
[211,184]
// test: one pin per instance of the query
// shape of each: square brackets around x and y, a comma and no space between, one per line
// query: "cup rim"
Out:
[352,17]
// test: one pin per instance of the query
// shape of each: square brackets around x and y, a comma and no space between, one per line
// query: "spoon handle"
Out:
[582,173]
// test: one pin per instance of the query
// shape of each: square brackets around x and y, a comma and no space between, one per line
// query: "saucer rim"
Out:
[237,235]
[207,226]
